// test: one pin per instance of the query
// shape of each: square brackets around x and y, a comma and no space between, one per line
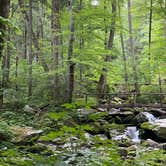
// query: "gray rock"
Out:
[132,148]
[152,143]
[157,112]
[145,117]
[28,109]
[162,146]
[102,109]
[160,130]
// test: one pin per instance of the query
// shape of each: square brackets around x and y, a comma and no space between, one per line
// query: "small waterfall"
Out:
[133,133]
[149,117]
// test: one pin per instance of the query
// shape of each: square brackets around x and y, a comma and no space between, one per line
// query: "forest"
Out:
[83,83]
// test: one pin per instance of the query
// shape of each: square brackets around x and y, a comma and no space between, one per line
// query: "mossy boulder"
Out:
[23,135]
[148,126]
[157,129]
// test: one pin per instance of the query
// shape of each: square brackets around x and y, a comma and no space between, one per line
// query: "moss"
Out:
[148,126]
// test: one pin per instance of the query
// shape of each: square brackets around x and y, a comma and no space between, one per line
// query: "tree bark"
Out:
[4,12]
[16,72]
[6,64]
[150,36]
[25,40]
[30,49]
[55,27]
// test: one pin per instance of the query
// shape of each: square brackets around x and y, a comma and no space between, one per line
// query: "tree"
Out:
[55,27]
[123,49]
[34,36]
[4,13]
[150,36]
[30,49]
[132,53]
[101,89]
[70,54]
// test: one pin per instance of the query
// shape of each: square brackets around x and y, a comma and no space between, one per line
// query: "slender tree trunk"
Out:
[150,37]
[55,26]
[81,45]
[16,72]
[123,51]
[30,49]
[4,12]
[25,40]
[6,64]
[132,49]
[70,54]
[102,84]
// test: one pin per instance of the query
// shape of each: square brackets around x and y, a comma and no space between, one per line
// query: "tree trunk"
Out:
[123,51]
[70,54]
[25,40]
[6,65]
[30,49]
[81,45]
[135,79]
[4,12]
[16,72]
[55,26]
[102,84]
[150,37]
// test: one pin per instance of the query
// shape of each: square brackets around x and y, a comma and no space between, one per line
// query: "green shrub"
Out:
[5,132]
[146,98]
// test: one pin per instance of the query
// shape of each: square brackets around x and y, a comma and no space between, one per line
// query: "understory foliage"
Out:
[89,52]
[61,58]
[65,130]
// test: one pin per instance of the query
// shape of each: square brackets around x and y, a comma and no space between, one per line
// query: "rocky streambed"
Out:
[88,135]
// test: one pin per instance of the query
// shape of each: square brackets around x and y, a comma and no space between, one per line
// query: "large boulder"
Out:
[23,135]
[157,112]
[157,129]
[120,117]
[160,130]
[144,117]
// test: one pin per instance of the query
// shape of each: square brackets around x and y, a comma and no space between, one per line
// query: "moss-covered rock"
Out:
[23,135]
[157,129]
[148,126]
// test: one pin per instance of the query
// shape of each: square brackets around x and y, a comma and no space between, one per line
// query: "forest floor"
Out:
[75,135]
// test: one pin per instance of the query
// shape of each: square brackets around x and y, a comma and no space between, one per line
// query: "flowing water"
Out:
[133,133]
[149,116]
